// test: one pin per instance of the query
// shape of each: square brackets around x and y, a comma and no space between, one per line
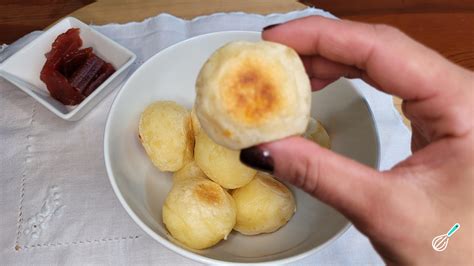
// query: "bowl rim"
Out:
[87,104]
[178,249]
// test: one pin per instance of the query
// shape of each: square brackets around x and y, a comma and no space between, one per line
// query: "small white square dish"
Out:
[24,67]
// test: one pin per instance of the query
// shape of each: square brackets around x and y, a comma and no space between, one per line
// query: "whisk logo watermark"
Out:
[440,242]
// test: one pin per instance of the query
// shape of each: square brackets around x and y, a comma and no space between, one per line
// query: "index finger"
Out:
[390,58]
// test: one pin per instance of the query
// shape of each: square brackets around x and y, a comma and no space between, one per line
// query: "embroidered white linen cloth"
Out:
[56,203]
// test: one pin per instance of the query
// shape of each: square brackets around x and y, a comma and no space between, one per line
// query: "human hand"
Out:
[402,209]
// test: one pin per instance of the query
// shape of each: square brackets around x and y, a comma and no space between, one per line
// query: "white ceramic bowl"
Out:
[142,188]
[23,68]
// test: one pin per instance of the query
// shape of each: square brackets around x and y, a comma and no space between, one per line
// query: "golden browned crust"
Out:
[209,193]
[272,183]
[251,92]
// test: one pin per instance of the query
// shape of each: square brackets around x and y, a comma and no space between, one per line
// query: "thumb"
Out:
[348,186]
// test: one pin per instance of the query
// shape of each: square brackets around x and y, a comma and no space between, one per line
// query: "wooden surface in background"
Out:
[451,34]
[121,11]
[446,26]
[378,7]
[20,17]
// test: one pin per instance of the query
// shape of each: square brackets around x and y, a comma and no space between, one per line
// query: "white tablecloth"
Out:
[56,203]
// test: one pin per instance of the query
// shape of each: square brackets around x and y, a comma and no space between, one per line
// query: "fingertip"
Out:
[264,157]
[266,28]
[291,157]
[267,32]
[258,158]
[287,147]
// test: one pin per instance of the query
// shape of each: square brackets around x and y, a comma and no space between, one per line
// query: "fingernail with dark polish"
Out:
[257,158]
[270,26]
